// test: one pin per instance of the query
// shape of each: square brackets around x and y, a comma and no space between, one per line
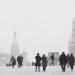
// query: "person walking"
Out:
[13,61]
[71,62]
[19,61]
[63,61]
[68,60]
[38,62]
[44,62]
[52,58]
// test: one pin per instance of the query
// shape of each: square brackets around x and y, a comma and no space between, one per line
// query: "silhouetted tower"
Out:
[15,48]
[71,45]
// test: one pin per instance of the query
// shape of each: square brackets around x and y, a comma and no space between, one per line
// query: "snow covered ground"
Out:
[30,70]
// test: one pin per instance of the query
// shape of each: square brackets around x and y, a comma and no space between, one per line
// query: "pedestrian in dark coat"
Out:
[71,62]
[21,57]
[68,60]
[52,59]
[63,61]
[44,62]
[20,60]
[38,62]
[13,61]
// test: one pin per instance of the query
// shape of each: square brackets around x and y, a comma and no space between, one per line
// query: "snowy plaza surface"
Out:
[30,70]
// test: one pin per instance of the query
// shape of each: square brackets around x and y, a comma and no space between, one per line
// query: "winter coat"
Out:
[38,61]
[71,61]
[20,59]
[68,58]
[13,61]
[52,57]
[63,59]
[44,61]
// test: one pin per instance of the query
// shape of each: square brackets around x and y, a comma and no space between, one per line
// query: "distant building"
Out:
[5,57]
[15,47]
[56,58]
[71,44]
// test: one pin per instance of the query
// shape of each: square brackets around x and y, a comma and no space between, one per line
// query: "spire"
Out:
[14,35]
[73,30]
[72,41]
[14,47]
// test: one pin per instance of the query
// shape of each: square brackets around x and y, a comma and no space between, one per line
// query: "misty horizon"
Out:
[41,26]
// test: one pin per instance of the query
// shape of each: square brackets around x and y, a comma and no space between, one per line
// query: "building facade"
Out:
[71,45]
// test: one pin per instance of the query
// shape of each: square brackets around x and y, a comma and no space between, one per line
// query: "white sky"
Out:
[41,25]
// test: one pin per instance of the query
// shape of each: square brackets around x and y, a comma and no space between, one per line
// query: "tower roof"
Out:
[15,47]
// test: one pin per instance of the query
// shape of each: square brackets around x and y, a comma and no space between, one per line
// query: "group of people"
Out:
[63,60]
[66,60]
[14,61]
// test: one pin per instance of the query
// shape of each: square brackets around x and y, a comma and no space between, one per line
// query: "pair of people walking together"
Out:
[38,62]
[19,61]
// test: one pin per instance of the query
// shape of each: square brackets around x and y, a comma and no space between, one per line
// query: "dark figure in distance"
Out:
[68,59]
[38,62]
[63,61]
[71,62]
[20,60]
[44,62]
[13,61]
[52,58]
